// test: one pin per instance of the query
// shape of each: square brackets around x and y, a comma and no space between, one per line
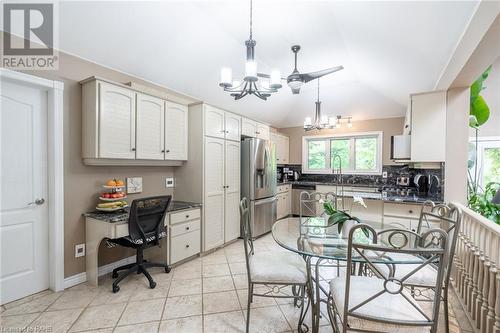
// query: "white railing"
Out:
[476,274]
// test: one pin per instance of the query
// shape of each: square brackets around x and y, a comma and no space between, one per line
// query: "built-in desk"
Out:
[183,222]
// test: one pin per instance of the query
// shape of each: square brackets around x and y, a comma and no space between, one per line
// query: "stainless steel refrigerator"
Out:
[258,183]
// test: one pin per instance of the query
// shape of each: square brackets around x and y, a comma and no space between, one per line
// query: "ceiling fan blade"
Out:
[306,77]
[267,76]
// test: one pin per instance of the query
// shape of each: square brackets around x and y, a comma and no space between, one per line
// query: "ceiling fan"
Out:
[295,80]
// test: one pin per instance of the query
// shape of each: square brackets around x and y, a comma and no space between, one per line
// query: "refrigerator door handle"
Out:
[265,201]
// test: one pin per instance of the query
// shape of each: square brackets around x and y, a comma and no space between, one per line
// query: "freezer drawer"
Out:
[262,215]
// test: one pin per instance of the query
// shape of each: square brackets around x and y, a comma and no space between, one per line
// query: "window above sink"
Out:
[357,153]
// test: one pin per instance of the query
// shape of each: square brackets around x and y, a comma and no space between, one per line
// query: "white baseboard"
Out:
[103,270]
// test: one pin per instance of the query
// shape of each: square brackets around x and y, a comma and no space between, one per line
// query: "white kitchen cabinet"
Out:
[232,190]
[428,127]
[282,147]
[184,234]
[283,205]
[214,122]
[232,124]
[176,131]
[262,131]
[116,122]
[122,126]
[248,127]
[212,175]
[150,128]
[214,193]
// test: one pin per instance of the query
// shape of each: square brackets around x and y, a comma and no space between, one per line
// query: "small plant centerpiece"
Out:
[344,221]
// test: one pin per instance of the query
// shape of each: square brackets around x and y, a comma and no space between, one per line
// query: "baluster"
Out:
[465,279]
[492,296]
[475,280]
[486,294]
[496,326]
[470,273]
[480,286]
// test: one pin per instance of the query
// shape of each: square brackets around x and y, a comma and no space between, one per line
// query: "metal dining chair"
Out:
[383,302]
[279,271]
[448,218]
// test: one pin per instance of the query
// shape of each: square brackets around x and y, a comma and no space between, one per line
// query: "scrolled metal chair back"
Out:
[311,203]
[373,254]
[246,231]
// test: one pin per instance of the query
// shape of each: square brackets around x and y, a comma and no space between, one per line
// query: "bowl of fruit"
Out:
[113,199]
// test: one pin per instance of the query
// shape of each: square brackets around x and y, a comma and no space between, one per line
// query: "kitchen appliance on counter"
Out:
[296,176]
[258,183]
[422,184]
[400,147]
[433,185]
[309,208]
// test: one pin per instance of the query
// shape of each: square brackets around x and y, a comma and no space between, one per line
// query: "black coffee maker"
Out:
[422,184]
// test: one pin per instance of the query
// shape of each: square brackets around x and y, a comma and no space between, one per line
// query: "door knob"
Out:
[37,202]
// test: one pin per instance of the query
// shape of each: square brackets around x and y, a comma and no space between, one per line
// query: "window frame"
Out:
[352,152]
[483,143]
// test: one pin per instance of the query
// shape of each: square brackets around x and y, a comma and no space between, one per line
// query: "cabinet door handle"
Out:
[222,131]
[163,151]
[168,150]
[410,211]
[133,149]
[187,245]
[187,216]
[187,228]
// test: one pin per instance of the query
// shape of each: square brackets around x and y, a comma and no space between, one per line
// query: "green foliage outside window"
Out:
[340,148]
[366,154]
[316,153]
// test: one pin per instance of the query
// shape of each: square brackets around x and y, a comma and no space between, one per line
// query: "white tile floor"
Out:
[204,295]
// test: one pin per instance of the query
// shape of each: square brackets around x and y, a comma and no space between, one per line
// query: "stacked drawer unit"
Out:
[284,204]
[184,235]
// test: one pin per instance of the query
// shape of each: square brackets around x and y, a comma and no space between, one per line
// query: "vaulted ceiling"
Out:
[388,49]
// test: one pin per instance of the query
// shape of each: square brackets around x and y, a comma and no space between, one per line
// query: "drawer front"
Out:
[183,228]
[184,246]
[185,215]
[283,188]
[404,210]
[121,230]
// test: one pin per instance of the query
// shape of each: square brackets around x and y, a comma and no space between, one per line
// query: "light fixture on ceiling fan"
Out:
[249,84]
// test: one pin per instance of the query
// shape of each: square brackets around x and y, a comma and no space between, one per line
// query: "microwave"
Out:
[400,147]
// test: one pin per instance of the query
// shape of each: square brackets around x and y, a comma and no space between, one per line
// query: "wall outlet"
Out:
[169,182]
[384,174]
[79,250]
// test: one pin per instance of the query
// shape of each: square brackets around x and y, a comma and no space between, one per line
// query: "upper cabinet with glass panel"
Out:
[359,153]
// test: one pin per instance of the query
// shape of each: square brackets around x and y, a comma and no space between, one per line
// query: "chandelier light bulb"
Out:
[275,79]
[331,121]
[251,70]
[324,120]
[337,125]
[226,77]
[349,124]
[236,83]
[308,121]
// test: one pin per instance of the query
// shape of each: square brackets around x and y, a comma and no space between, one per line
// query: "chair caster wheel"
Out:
[114,275]
[116,289]
[152,285]
[167,269]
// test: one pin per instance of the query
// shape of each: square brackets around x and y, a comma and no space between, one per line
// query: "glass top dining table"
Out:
[311,236]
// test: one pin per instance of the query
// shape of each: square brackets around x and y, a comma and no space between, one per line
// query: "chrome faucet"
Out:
[340,178]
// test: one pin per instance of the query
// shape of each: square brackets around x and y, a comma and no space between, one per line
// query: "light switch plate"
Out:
[384,174]
[169,182]
[134,185]
[79,250]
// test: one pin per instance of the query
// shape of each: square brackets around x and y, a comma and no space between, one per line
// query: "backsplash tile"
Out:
[393,172]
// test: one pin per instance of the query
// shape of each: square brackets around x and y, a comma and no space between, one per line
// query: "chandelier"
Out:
[250,84]
[322,122]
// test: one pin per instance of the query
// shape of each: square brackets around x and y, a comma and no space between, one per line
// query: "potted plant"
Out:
[344,221]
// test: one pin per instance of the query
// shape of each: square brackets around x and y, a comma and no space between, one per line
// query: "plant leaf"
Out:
[473,121]
[480,110]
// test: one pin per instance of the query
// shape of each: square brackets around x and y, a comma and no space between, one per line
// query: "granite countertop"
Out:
[122,215]
[375,195]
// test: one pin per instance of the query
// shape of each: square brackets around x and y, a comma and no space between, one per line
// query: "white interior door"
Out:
[176,131]
[232,200]
[213,224]
[150,128]
[23,210]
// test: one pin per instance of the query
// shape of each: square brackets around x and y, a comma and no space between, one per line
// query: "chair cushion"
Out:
[129,242]
[278,267]
[425,276]
[386,306]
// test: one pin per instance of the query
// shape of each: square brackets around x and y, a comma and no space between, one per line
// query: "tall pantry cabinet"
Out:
[212,172]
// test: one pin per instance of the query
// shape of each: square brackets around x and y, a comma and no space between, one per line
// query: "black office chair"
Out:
[145,226]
